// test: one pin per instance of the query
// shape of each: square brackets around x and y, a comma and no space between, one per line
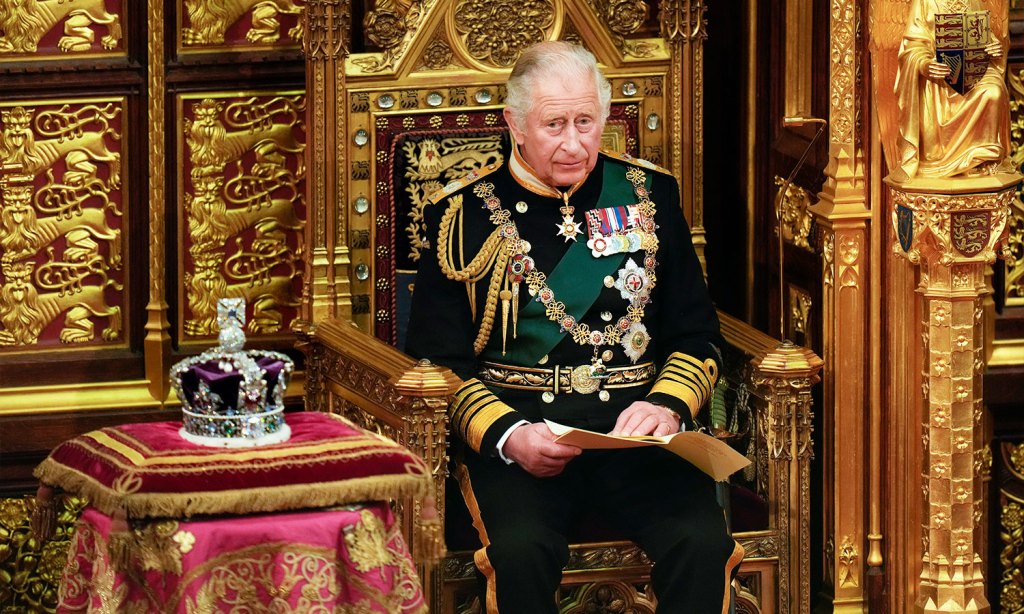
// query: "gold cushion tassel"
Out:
[429,546]
[44,515]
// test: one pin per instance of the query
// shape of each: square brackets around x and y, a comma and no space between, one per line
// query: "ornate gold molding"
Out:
[326,289]
[157,342]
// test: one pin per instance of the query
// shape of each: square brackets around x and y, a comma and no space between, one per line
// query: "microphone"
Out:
[793,121]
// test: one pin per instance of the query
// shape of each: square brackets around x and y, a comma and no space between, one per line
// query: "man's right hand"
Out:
[533,447]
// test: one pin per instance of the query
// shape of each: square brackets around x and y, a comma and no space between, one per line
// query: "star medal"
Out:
[635,341]
[633,283]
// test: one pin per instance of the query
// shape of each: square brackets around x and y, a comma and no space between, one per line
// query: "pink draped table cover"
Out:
[350,559]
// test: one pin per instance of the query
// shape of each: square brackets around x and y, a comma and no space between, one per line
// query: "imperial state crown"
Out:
[230,397]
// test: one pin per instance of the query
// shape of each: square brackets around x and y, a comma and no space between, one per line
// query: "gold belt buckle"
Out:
[583,381]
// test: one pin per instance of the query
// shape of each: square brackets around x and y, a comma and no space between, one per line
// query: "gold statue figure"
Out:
[943,132]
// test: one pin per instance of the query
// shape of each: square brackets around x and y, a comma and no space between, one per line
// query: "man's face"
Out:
[561,134]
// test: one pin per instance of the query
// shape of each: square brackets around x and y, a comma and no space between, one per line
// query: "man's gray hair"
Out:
[555,60]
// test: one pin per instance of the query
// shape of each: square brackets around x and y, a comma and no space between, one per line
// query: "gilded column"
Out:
[842,217]
[786,375]
[953,237]
[326,289]
[157,343]
[684,29]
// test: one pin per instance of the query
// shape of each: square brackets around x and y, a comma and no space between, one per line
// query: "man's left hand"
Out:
[643,418]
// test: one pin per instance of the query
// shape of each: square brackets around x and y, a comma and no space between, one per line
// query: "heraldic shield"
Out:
[905,226]
[969,231]
[960,40]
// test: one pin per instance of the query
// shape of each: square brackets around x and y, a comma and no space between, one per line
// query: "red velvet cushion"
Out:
[149,470]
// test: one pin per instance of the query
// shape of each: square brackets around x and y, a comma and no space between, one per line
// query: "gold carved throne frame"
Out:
[405,96]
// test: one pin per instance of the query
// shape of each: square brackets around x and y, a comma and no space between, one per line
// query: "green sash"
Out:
[576,281]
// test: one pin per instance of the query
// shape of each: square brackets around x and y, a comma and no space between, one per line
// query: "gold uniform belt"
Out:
[566,380]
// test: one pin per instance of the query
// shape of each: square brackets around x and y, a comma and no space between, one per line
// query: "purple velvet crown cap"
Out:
[225,384]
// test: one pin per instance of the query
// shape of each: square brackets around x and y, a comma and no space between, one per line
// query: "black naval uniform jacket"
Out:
[679,318]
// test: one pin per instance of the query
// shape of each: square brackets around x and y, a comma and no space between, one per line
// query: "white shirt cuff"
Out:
[501,442]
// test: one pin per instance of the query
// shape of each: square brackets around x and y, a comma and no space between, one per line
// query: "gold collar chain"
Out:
[522,267]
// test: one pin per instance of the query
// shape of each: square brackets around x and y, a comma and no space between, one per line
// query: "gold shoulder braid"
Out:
[490,255]
[505,253]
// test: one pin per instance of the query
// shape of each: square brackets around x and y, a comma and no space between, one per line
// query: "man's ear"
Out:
[513,127]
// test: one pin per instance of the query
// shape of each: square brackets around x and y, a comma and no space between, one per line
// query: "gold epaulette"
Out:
[628,159]
[457,184]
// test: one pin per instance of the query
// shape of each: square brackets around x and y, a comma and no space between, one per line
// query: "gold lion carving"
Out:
[24,312]
[18,143]
[210,19]
[211,146]
[25,22]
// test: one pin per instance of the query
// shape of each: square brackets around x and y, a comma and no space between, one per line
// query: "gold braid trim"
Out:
[237,501]
[687,379]
[496,251]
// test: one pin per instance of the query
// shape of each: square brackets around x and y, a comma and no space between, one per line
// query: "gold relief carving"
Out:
[624,17]
[325,33]
[1015,80]
[36,565]
[385,26]
[495,32]
[845,60]
[60,248]
[681,25]
[1014,252]
[609,597]
[438,55]
[24,23]
[209,20]
[571,35]
[796,220]
[849,265]
[1014,455]
[243,196]
[947,223]
[1011,589]
[602,557]
[849,575]
[431,163]
[393,30]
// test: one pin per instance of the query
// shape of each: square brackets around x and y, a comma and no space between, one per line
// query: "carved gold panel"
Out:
[494,32]
[62,253]
[61,29]
[241,209]
[206,26]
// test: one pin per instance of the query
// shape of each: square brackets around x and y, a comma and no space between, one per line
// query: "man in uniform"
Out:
[563,286]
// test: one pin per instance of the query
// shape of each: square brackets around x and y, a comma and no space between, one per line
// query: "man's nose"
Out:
[571,141]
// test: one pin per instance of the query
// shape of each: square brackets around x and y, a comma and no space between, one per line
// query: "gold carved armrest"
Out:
[354,374]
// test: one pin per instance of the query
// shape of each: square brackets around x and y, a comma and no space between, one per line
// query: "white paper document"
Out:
[710,455]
